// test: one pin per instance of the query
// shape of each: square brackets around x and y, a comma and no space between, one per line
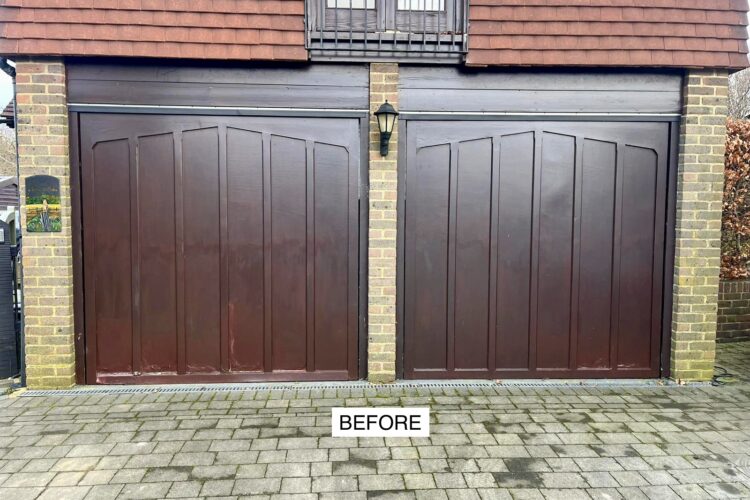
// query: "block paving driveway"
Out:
[487,442]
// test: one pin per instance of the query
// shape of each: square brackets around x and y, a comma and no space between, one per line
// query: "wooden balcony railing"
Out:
[430,30]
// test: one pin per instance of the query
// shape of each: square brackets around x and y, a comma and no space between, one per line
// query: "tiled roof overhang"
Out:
[191,29]
[664,33]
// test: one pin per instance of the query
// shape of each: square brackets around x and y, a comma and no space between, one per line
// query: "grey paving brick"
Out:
[397,467]
[28,479]
[288,470]
[104,492]
[463,494]
[216,488]
[296,485]
[64,493]
[381,482]
[128,476]
[66,479]
[555,480]
[149,460]
[334,483]
[26,493]
[307,455]
[256,486]
[446,480]
[145,491]
[431,495]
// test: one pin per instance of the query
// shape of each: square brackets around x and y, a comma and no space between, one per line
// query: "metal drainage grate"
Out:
[362,385]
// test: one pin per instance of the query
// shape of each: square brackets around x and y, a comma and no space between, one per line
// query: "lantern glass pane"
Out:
[382,122]
[391,121]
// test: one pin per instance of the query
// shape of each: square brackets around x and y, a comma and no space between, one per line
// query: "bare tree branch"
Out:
[739,95]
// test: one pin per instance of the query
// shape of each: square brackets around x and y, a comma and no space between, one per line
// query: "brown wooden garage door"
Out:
[220,247]
[533,249]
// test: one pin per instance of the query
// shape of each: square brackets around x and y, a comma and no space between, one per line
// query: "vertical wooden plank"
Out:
[246,286]
[515,250]
[576,252]
[555,247]
[268,364]
[202,249]
[407,178]
[426,254]
[310,254]
[289,240]
[76,187]
[494,226]
[471,232]
[358,267]
[597,220]
[660,218]
[135,256]
[332,240]
[536,203]
[156,209]
[639,208]
[223,253]
[616,261]
[179,190]
[452,209]
[110,268]
[89,255]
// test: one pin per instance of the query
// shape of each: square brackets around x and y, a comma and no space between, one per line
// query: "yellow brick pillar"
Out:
[698,233]
[381,357]
[43,144]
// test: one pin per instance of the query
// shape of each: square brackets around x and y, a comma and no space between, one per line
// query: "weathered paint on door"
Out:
[220,247]
[533,249]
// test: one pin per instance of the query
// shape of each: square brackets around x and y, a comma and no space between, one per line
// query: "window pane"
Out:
[421,5]
[354,4]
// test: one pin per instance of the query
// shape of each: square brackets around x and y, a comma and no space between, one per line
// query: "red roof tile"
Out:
[200,29]
[684,33]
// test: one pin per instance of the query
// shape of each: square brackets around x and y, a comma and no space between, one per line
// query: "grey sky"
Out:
[6,89]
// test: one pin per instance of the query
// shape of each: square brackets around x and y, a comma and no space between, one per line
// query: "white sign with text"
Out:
[380,422]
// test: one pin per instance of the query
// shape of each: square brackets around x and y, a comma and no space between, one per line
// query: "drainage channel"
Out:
[357,385]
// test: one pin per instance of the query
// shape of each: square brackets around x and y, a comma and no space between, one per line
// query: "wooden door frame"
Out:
[673,124]
[83,376]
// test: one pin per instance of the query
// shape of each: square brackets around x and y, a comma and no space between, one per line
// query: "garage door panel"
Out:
[229,249]
[202,258]
[157,252]
[427,234]
[579,224]
[331,257]
[471,247]
[111,308]
[639,198]
[598,171]
[554,257]
[516,195]
[289,243]
[245,249]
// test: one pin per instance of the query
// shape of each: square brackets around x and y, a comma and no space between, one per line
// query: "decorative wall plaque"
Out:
[43,204]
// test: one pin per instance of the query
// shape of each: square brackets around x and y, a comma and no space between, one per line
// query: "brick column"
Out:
[47,257]
[381,358]
[698,234]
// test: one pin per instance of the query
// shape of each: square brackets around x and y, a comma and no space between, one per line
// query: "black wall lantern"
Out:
[386,115]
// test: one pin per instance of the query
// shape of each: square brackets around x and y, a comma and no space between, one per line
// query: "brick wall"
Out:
[47,257]
[698,233]
[381,361]
[734,311]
